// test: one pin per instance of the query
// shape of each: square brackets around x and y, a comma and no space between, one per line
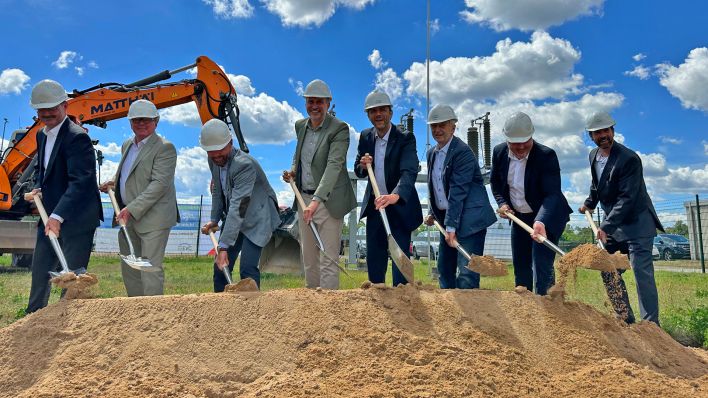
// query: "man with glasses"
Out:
[65,174]
[145,190]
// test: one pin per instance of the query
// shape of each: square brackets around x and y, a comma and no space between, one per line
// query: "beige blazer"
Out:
[150,188]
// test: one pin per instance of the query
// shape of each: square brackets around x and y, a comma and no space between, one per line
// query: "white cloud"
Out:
[538,69]
[670,140]
[680,180]
[527,15]
[638,57]
[390,83]
[13,81]
[688,81]
[192,175]
[229,9]
[79,70]
[375,59]
[639,71]
[242,84]
[111,149]
[92,64]
[66,58]
[434,26]
[310,13]
[297,86]
[653,164]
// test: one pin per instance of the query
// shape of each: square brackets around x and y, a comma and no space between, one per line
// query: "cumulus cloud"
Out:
[654,164]
[242,84]
[375,59]
[110,149]
[639,71]
[527,15]
[13,81]
[670,140]
[638,57]
[310,13]
[192,175]
[66,58]
[680,180]
[390,83]
[538,69]
[688,81]
[231,9]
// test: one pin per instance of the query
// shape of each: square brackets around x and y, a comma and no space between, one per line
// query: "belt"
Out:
[308,191]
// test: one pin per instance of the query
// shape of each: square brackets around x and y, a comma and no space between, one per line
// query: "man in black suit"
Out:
[630,222]
[458,200]
[65,174]
[526,181]
[393,157]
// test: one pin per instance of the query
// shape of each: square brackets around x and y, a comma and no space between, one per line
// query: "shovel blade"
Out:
[138,263]
[402,261]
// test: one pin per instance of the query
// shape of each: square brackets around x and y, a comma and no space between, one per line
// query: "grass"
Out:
[683,297]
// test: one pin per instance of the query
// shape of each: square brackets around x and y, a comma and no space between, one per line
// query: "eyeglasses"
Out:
[142,120]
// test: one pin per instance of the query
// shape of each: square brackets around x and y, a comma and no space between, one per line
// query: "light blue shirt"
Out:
[379,158]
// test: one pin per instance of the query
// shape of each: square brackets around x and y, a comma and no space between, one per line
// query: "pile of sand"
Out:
[376,342]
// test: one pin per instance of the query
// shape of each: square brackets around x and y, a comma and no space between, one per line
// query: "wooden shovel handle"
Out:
[213,241]
[298,196]
[593,226]
[116,208]
[372,177]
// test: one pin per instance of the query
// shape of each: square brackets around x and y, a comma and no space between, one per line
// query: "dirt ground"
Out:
[375,342]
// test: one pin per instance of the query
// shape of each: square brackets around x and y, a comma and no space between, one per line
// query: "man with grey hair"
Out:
[145,191]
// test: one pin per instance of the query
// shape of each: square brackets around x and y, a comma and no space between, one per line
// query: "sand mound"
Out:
[487,266]
[590,256]
[379,342]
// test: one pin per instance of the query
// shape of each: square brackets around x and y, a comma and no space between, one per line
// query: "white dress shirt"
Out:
[48,147]
[379,158]
[600,163]
[515,179]
[130,158]
[437,174]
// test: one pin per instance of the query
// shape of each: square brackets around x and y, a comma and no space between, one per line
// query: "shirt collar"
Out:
[55,130]
[513,157]
[445,148]
[385,137]
[143,142]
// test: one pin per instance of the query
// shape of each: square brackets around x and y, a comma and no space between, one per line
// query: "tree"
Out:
[679,228]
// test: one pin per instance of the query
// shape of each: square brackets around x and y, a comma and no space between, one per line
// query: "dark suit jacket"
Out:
[623,196]
[469,210]
[542,185]
[400,169]
[69,186]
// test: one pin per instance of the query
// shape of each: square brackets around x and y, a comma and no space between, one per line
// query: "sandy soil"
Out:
[408,341]
[487,266]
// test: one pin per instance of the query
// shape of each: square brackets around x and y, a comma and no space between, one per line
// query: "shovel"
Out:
[227,274]
[472,265]
[53,239]
[399,258]
[318,239]
[133,261]
[618,263]
[528,229]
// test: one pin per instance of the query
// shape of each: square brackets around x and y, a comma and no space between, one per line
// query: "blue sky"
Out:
[556,60]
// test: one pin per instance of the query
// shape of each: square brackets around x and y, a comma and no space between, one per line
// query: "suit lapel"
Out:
[323,131]
[528,171]
[504,164]
[608,167]
[144,151]
[60,136]
[446,166]
[392,141]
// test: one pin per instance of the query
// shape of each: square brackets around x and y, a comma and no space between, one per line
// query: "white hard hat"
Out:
[376,99]
[142,109]
[518,128]
[441,113]
[599,121]
[215,135]
[47,94]
[318,89]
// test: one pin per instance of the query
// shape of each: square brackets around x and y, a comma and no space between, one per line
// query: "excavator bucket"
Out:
[282,254]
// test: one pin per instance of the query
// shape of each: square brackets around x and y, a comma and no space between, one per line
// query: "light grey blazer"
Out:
[247,204]
[150,187]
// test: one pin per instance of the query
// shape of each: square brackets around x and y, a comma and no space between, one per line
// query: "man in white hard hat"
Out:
[320,172]
[458,200]
[242,199]
[526,182]
[65,173]
[630,221]
[392,155]
[145,189]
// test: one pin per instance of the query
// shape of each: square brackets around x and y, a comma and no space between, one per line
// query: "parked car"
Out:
[655,252]
[672,246]
[421,247]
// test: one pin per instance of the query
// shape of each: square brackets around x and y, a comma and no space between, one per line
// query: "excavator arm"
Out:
[211,91]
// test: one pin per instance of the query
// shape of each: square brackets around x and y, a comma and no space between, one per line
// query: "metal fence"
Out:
[682,248]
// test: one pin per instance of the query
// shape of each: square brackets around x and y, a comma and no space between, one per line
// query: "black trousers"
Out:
[532,260]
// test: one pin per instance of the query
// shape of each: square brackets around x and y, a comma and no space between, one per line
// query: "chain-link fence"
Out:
[682,247]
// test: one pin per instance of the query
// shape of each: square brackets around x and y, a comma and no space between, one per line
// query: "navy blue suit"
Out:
[468,212]
[69,189]
[630,223]
[400,171]
[542,192]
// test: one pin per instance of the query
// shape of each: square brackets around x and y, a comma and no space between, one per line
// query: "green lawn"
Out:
[683,296]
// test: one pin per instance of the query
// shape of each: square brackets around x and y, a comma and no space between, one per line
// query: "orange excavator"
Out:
[211,91]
